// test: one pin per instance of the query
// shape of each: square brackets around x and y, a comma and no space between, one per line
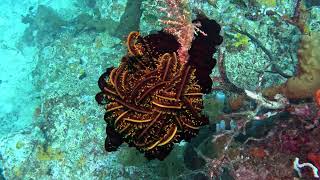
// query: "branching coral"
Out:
[179,24]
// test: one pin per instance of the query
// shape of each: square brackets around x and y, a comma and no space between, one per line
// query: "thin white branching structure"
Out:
[279,105]
[297,166]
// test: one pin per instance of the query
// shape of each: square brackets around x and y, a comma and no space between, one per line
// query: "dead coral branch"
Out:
[274,67]
[225,83]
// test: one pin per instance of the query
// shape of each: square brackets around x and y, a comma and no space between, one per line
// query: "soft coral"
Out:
[306,82]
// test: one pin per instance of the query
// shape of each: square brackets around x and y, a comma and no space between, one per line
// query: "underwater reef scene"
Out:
[160,89]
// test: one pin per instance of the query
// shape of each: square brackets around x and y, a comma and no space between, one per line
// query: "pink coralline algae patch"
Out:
[315,159]
[292,142]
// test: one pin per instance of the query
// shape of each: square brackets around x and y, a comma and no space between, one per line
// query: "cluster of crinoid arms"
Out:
[152,100]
